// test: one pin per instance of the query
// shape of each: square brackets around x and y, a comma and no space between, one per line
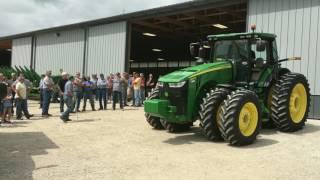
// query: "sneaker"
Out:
[63,118]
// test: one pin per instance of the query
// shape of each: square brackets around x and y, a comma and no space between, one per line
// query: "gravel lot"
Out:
[121,145]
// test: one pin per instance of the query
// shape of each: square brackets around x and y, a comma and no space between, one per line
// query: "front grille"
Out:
[176,96]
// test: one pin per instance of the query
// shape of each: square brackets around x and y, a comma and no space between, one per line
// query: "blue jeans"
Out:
[61,103]
[77,96]
[86,96]
[46,101]
[143,95]
[137,97]
[124,97]
[103,97]
[116,97]
[21,105]
[41,98]
[69,104]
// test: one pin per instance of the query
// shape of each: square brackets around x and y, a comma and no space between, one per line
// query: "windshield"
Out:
[230,49]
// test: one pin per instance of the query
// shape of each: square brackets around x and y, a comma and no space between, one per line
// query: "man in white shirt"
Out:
[47,92]
[21,98]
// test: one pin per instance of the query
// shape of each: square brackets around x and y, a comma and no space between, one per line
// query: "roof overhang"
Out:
[145,14]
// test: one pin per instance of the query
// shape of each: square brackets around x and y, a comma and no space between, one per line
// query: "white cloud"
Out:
[18,16]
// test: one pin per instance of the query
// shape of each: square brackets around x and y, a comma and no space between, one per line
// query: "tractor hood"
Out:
[194,71]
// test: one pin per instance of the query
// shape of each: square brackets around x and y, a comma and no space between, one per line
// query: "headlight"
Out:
[177,85]
[160,84]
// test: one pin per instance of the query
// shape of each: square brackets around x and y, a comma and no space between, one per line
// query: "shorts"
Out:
[7,104]
[6,109]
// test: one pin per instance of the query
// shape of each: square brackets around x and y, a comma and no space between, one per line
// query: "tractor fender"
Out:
[283,71]
[201,93]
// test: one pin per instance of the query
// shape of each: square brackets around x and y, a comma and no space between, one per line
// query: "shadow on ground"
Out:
[74,120]
[17,150]
[195,135]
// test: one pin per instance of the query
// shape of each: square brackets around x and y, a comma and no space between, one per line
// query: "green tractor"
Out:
[237,86]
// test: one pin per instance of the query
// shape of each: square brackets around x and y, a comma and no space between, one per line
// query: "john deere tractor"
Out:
[238,85]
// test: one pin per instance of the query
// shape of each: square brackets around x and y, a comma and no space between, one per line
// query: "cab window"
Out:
[236,50]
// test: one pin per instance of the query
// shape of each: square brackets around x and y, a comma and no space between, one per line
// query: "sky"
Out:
[18,16]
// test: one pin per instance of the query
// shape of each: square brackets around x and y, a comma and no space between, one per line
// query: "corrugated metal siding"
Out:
[296,23]
[63,51]
[106,48]
[297,26]
[21,52]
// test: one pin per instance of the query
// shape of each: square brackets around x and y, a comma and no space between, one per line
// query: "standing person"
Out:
[102,92]
[2,81]
[88,93]
[77,92]
[21,99]
[29,86]
[142,88]
[62,82]
[7,107]
[67,95]
[47,93]
[150,84]
[41,89]
[116,91]
[137,90]
[124,82]
[109,87]
[10,83]
[94,80]
[132,78]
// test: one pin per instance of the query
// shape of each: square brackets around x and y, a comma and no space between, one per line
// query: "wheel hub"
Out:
[248,119]
[298,103]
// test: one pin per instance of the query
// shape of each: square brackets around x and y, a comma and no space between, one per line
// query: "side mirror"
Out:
[194,49]
[261,46]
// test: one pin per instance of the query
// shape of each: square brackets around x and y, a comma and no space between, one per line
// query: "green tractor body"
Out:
[243,65]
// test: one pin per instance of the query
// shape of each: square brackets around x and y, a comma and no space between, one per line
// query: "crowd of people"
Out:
[17,90]
[75,91]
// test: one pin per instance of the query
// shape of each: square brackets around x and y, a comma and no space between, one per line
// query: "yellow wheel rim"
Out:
[298,103]
[248,119]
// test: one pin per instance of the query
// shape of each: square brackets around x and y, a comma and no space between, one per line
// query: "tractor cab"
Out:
[249,53]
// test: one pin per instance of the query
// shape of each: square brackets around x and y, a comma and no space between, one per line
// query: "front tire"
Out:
[209,113]
[241,118]
[291,102]
[174,127]
[154,121]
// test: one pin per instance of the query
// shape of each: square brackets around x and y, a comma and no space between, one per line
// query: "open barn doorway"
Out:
[5,53]
[160,44]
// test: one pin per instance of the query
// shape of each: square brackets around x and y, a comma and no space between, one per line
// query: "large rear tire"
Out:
[209,113]
[291,102]
[241,118]
[154,121]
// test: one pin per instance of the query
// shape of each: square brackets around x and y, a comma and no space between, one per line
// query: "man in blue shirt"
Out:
[88,93]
